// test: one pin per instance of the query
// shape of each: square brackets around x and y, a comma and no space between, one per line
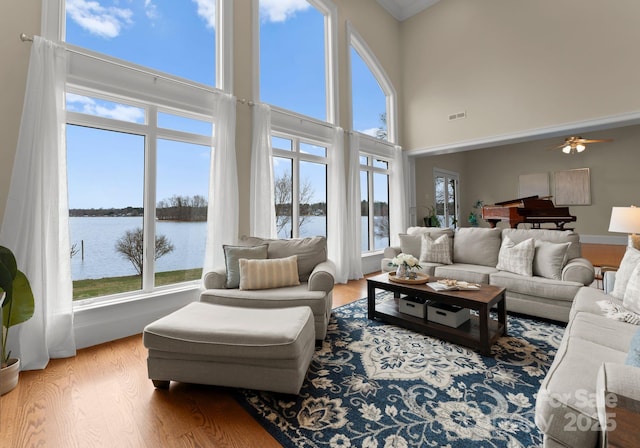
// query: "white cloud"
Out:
[150,9]
[97,19]
[86,105]
[281,10]
[207,10]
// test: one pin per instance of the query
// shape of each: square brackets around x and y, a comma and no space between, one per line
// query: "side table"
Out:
[623,423]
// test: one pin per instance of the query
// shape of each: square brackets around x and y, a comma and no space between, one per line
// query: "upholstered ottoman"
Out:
[266,349]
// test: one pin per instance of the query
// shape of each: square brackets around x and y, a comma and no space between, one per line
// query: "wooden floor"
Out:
[102,398]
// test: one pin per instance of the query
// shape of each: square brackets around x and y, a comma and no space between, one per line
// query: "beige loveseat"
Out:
[589,368]
[557,269]
[316,277]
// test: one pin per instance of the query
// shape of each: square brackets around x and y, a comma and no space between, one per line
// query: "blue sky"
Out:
[179,38]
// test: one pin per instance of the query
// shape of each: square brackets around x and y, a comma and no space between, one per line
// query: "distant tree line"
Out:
[176,208]
[182,208]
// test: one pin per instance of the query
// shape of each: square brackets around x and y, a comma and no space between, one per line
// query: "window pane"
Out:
[184,124]
[103,108]
[368,100]
[283,184]
[364,160]
[173,37]
[440,185]
[312,218]
[381,210]
[292,57]
[106,183]
[281,143]
[377,163]
[181,211]
[364,210]
[308,148]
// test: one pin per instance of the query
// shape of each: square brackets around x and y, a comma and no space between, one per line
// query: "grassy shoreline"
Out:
[96,287]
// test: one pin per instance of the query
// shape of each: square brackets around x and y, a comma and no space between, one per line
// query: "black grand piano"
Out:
[532,209]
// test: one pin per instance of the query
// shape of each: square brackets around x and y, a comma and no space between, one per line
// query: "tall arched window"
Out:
[373,98]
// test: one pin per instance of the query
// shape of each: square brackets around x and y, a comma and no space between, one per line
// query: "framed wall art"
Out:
[573,187]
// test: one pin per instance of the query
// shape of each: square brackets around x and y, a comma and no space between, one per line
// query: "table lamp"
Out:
[626,220]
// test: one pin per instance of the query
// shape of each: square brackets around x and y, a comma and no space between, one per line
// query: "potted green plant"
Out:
[431,220]
[17,308]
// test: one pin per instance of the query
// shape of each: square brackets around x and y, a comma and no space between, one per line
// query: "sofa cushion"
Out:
[472,273]
[536,286]
[552,236]
[477,245]
[549,259]
[516,258]
[310,251]
[284,297]
[267,274]
[631,299]
[435,251]
[232,255]
[629,261]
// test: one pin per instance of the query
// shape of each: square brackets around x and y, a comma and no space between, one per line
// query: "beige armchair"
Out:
[316,276]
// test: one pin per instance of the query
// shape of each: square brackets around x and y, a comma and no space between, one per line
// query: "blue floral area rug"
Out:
[374,385]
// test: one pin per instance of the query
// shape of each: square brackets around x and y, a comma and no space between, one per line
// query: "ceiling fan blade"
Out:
[584,140]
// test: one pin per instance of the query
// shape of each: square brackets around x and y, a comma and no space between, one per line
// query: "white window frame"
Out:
[103,76]
[356,42]
[448,175]
[297,156]
[381,150]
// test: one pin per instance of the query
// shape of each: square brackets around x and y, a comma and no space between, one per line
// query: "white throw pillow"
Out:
[438,251]
[410,244]
[631,299]
[630,260]
[549,259]
[516,258]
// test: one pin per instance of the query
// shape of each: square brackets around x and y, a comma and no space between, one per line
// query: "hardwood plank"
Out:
[103,398]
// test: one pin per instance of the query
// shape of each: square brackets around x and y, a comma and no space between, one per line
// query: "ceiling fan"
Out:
[573,144]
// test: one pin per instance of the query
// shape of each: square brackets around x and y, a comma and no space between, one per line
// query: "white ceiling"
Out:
[403,9]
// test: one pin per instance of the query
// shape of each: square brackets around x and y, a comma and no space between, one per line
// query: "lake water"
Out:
[188,238]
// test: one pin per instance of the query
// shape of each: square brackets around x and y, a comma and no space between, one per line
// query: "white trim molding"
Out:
[596,124]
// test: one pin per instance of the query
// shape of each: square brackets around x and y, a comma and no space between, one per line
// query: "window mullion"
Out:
[150,175]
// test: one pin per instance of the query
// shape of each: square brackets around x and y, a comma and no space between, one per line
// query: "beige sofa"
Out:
[316,276]
[475,258]
[588,368]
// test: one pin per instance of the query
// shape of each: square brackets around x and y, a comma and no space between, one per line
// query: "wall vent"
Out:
[458,116]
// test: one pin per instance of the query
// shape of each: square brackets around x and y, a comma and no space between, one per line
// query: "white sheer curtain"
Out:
[337,213]
[36,217]
[398,196]
[222,214]
[263,213]
[354,227]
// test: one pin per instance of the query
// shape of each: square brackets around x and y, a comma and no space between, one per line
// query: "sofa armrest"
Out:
[616,383]
[392,251]
[579,270]
[216,279]
[322,277]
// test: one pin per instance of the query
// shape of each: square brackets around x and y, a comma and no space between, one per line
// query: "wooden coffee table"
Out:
[480,332]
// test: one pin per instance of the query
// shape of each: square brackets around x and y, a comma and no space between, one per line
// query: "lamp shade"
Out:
[625,220]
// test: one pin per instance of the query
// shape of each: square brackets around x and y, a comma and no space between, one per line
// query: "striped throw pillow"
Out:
[270,273]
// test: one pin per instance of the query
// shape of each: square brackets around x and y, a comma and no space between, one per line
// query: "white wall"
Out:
[516,66]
